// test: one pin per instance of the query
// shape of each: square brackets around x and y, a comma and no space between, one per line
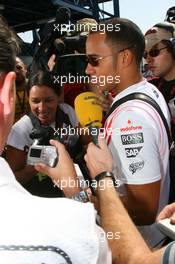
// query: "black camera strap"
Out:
[147,99]
[61,118]
[152,102]
[34,120]
[45,132]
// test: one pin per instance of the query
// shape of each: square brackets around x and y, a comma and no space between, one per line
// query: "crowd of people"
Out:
[108,222]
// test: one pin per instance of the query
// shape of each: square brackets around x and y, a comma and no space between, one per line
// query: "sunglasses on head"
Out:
[153,52]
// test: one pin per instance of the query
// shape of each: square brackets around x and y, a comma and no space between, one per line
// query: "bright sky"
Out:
[145,13]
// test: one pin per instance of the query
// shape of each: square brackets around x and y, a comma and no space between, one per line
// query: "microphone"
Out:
[89,113]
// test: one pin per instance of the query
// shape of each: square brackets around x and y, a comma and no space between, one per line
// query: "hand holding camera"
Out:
[63,172]
[41,151]
[42,154]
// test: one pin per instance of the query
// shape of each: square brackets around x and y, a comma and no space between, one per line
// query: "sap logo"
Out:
[133,167]
[132,152]
[132,138]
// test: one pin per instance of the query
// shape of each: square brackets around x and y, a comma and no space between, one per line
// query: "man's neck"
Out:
[170,75]
[128,81]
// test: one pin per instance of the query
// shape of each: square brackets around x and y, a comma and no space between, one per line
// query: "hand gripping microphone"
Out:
[89,113]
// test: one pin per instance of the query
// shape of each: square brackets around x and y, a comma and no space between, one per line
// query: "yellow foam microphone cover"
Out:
[88,110]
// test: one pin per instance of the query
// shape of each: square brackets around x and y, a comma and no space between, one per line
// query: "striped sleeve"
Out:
[169,254]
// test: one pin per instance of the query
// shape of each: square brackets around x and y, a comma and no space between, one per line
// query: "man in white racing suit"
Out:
[135,132]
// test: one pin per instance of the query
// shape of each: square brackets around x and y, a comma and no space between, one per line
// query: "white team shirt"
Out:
[47,230]
[138,142]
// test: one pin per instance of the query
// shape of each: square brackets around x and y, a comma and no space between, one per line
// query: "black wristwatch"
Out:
[101,176]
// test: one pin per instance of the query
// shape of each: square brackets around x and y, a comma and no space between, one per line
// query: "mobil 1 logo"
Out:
[129,139]
[138,165]
[132,152]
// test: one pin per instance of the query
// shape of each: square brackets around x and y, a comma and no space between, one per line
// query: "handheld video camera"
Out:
[41,151]
[42,154]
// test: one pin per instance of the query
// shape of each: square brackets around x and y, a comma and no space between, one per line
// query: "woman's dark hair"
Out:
[44,78]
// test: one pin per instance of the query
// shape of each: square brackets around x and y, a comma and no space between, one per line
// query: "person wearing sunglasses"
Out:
[160,56]
[138,141]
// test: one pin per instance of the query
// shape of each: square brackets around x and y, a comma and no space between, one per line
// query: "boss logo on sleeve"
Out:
[129,139]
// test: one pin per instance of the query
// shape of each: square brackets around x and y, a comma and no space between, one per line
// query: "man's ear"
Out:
[127,57]
[8,93]
[7,106]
